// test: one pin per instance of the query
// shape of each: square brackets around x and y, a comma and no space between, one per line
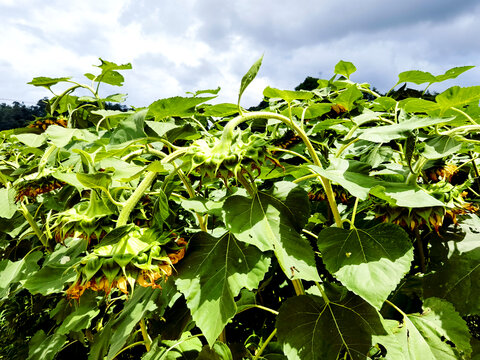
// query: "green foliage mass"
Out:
[329,222]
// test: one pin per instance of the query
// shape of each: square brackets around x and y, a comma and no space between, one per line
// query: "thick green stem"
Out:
[33,224]
[146,338]
[142,187]
[223,336]
[246,184]
[412,177]
[324,294]
[265,344]
[298,286]
[396,308]
[227,137]
[421,254]
[135,198]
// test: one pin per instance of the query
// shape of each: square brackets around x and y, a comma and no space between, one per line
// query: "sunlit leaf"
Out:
[437,333]
[43,347]
[47,82]
[287,95]
[212,275]
[453,73]
[348,97]
[310,329]
[416,76]
[130,128]
[458,97]
[271,221]
[7,199]
[176,106]
[248,77]
[345,68]
[369,262]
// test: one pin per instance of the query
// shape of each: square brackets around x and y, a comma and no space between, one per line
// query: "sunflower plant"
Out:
[334,223]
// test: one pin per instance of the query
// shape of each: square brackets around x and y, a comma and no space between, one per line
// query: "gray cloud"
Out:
[185,45]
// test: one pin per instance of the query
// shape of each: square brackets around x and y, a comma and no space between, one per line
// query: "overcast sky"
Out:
[186,45]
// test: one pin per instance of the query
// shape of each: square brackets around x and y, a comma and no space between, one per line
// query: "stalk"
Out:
[31,221]
[146,338]
[265,344]
[227,137]
[142,187]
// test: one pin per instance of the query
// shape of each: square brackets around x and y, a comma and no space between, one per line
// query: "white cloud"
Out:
[186,45]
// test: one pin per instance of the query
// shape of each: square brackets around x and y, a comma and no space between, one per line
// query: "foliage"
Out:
[334,223]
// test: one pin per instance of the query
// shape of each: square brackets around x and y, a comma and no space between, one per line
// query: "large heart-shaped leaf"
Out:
[310,328]
[369,262]
[212,275]
[438,333]
[271,221]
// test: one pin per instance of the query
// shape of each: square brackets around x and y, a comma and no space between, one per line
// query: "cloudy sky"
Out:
[177,46]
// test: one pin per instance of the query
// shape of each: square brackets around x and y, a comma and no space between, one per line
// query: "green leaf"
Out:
[416,76]
[69,178]
[248,77]
[161,128]
[43,347]
[310,328]
[82,316]
[313,111]
[453,73]
[354,177]
[57,269]
[122,170]
[369,262]
[348,97]
[440,147]
[219,351]
[427,335]
[7,199]
[176,106]
[458,279]
[414,105]
[272,221]
[101,342]
[383,134]
[384,103]
[61,136]
[47,82]
[212,275]
[220,110]
[287,95]
[32,140]
[109,75]
[206,91]
[457,97]
[14,272]
[95,181]
[186,348]
[142,301]
[130,128]
[345,68]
